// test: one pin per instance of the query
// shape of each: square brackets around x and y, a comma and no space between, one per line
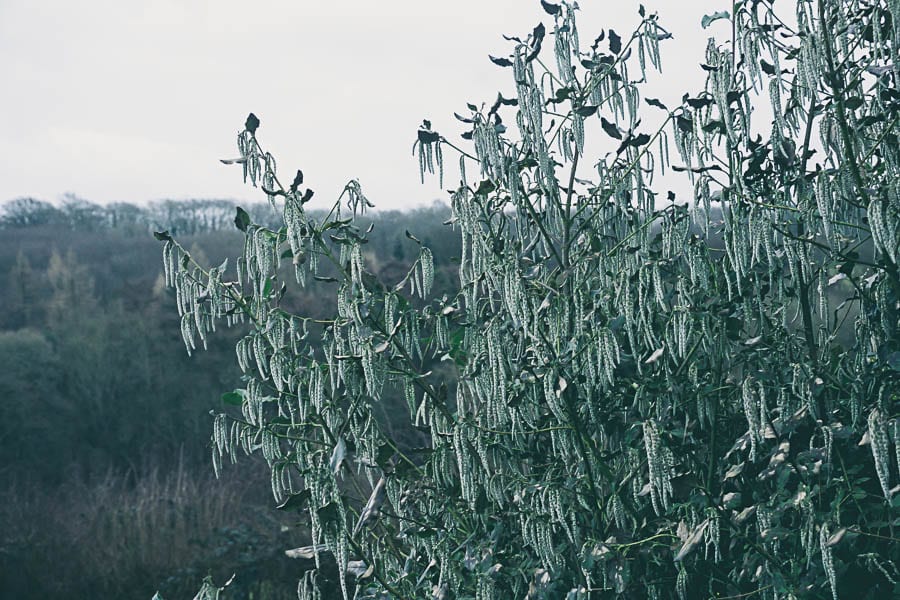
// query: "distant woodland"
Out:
[103,416]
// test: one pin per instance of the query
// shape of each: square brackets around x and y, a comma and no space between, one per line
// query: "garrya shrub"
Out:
[628,395]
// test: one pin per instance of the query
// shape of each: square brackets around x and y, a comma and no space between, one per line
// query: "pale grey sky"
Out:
[136,100]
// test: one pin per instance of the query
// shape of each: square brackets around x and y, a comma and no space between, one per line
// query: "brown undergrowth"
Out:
[129,534]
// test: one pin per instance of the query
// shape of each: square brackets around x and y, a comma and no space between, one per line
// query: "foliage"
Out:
[612,402]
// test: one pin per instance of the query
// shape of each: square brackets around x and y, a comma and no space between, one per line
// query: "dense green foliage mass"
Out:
[610,403]
[104,461]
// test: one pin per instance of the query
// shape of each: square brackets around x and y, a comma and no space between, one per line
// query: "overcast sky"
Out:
[127,100]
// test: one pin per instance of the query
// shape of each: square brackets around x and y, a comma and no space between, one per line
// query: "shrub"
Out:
[612,402]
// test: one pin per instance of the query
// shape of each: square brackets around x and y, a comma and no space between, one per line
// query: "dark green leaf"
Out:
[853,102]
[610,129]
[162,236]
[242,219]
[684,124]
[586,111]
[428,137]
[298,181]
[502,101]
[502,62]
[296,501]
[615,42]
[634,140]
[329,515]
[656,103]
[698,102]
[485,187]
[714,126]
[235,398]
[708,19]
[537,38]
[272,192]
[252,123]
[698,169]
[550,9]
[384,455]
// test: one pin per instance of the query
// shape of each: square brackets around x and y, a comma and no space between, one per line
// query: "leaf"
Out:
[610,129]
[252,123]
[428,137]
[853,102]
[329,515]
[716,125]
[232,161]
[242,219]
[412,237]
[537,36]
[836,537]
[692,541]
[835,278]
[298,181]
[615,42]
[707,20]
[271,192]
[502,101]
[698,102]
[306,552]
[359,569]
[684,124]
[162,236]
[655,356]
[767,68]
[731,500]
[545,304]
[551,9]
[656,103]
[633,140]
[384,455]
[697,169]
[734,470]
[586,111]
[373,506]
[235,398]
[338,455]
[502,62]
[485,187]
[295,501]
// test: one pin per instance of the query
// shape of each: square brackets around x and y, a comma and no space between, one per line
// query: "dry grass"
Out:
[125,535]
